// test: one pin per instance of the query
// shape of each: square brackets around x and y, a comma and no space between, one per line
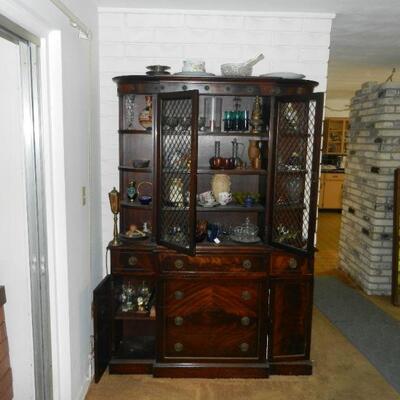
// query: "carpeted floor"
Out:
[341,372]
[366,326]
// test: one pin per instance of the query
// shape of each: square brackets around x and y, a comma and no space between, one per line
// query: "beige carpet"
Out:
[340,373]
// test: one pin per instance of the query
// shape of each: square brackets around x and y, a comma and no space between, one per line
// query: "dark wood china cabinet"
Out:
[215,305]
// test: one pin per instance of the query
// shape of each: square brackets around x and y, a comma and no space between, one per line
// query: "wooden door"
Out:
[290,319]
[102,314]
[176,142]
[294,156]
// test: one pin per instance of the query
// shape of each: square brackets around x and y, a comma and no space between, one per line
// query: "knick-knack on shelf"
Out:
[146,116]
[256,120]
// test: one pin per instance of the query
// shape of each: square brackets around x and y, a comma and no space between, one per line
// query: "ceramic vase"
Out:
[254,153]
[220,183]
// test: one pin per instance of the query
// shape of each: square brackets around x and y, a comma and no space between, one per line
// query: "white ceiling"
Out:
[365,42]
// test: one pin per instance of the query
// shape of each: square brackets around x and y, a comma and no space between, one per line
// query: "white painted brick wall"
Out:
[131,39]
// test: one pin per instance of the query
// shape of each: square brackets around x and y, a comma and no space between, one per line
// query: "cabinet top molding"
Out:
[214,85]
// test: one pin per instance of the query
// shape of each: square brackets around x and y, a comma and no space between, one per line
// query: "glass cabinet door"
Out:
[294,171]
[177,115]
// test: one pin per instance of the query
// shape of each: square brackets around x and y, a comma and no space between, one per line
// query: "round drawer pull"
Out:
[246,295]
[178,321]
[244,347]
[178,295]
[245,321]
[132,260]
[178,347]
[292,263]
[246,264]
[184,87]
[178,264]
[206,87]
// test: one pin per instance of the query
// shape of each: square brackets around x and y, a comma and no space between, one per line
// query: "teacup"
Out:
[224,198]
[206,197]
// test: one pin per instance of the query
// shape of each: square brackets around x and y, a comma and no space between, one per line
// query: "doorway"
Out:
[23,259]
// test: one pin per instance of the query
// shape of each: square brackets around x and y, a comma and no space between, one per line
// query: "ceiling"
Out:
[365,41]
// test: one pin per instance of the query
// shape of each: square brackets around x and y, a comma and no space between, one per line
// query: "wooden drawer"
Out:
[129,261]
[282,263]
[242,263]
[211,319]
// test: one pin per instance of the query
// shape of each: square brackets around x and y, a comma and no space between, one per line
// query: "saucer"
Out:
[208,205]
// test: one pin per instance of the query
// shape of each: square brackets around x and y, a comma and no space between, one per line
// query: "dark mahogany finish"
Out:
[221,311]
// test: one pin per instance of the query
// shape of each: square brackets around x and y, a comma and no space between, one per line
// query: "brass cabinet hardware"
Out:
[178,321]
[132,261]
[178,347]
[244,347]
[292,263]
[245,321]
[178,264]
[178,295]
[246,264]
[246,295]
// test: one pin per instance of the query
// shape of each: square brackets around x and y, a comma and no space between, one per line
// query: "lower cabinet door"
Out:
[211,320]
[290,319]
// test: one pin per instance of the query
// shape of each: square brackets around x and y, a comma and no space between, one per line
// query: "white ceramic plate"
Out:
[208,205]
[284,75]
[198,73]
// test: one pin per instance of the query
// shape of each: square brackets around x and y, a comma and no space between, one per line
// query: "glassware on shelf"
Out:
[129,105]
[235,159]
[213,113]
[146,116]
[217,161]
[256,120]
[143,297]
[131,192]
[127,297]
[294,189]
[246,233]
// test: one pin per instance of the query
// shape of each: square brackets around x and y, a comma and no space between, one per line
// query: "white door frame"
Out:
[51,140]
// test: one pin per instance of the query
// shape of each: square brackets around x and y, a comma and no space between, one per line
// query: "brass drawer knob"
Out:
[246,295]
[246,264]
[178,321]
[178,295]
[245,321]
[292,263]
[244,347]
[178,347]
[178,264]
[132,261]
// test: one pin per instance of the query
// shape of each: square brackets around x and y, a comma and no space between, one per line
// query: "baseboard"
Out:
[84,389]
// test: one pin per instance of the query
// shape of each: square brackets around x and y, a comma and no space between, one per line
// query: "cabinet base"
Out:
[291,368]
[122,366]
[206,370]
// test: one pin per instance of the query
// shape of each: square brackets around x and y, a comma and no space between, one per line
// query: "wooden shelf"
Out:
[135,204]
[135,131]
[247,171]
[133,315]
[132,169]
[259,136]
[231,208]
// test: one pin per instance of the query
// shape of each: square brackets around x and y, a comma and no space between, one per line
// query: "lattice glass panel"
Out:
[293,174]
[176,168]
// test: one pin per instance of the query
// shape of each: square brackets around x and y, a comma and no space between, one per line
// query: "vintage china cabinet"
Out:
[227,310]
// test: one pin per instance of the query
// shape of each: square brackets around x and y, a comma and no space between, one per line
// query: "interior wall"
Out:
[70,113]
[14,257]
[131,39]
[337,107]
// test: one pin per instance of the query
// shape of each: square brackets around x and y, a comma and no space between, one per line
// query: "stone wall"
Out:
[373,154]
